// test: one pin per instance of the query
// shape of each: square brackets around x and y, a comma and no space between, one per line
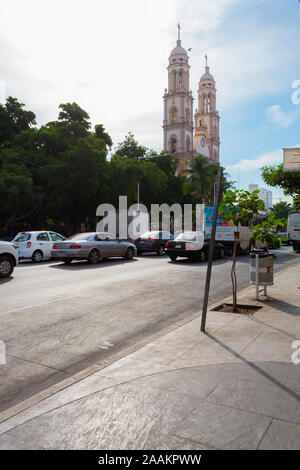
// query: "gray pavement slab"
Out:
[281,436]
[263,398]
[136,417]
[223,427]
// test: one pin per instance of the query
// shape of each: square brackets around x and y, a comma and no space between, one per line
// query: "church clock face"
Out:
[202,141]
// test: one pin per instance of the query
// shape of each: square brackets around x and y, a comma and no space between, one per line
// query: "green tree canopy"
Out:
[289,181]
[281,209]
[130,148]
[103,135]
[13,119]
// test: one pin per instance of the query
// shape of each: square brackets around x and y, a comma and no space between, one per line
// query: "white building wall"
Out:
[265,194]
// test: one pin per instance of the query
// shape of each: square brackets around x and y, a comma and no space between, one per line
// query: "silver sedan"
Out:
[92,246]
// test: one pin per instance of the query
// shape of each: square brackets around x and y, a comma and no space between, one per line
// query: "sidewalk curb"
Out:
[46,393]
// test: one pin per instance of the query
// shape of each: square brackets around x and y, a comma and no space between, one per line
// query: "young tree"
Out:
[239,207]
[264,232]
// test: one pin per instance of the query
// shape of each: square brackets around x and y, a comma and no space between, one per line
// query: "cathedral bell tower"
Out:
[178,107]
[206,138]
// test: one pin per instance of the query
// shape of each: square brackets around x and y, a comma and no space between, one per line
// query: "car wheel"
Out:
[222,253]
[202,256]
[37,256]
[94,257]
[129,253]
[67,260]
[139,252]
[6,266]
[173,258]
[161,251]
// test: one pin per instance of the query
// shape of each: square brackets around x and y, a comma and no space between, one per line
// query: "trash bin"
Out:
[266,271]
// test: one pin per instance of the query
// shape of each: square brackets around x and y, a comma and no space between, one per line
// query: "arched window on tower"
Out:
[205,104]
[174,80]
[180,80]
[188,144]
[209,103]
[173,115]
[173,146]
[187,115]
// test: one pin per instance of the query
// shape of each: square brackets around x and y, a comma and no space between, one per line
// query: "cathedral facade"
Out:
[187,135]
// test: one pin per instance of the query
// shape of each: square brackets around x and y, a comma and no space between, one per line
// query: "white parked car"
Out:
[8,258]
[36,245]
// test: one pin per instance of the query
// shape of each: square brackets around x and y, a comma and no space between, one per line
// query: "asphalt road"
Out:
[57,319]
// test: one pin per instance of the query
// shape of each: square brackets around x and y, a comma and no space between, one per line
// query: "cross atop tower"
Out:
[206,59]
[179,28]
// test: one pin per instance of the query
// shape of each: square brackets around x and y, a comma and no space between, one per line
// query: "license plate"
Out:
[177,246]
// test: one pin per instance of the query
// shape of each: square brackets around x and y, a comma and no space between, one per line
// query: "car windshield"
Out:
[150,235]
[81,236]
[189,236]
[22,237]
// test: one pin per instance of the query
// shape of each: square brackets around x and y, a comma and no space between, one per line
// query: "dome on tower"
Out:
[178,49]
[207,75]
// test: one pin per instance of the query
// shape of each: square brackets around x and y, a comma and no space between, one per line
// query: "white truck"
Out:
[294,229]
[9,258]
[225,232]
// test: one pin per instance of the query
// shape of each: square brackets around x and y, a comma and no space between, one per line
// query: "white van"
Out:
[36,245]
[294,229]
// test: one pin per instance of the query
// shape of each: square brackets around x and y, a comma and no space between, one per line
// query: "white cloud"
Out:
[203,15]
[268,158]
[275,115]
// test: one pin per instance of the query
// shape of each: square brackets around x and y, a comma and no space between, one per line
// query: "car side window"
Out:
[55,237]
[105,237]
[43,237]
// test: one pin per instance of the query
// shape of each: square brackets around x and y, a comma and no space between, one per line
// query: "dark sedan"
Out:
[192,245]
[153,242]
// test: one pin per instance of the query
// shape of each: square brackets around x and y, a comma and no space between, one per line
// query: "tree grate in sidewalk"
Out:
[241,309]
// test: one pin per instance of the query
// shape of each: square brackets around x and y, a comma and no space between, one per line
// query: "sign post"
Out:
[211,248]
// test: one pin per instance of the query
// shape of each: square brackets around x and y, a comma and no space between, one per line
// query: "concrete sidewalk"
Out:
[234,387]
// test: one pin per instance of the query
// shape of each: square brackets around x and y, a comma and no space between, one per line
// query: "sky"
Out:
[111,58]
